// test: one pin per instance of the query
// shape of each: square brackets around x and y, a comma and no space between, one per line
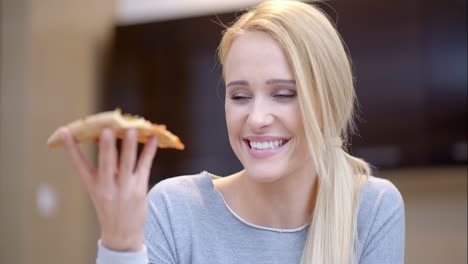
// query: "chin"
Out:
[264,174]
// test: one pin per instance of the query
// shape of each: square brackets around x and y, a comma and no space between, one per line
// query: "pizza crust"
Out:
[90,127]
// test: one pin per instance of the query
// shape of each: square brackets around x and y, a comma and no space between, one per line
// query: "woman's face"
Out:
[262,109]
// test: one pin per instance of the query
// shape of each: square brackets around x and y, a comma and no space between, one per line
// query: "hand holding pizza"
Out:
[118,186]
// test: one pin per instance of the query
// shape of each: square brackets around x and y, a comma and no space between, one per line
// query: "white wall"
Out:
[141,11]
[50,51]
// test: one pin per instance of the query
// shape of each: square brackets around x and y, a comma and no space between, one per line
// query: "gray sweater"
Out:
[189,223]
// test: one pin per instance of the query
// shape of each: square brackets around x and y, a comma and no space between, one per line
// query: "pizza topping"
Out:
[90,127]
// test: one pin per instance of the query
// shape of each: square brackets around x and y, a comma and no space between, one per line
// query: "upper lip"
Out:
[265,138]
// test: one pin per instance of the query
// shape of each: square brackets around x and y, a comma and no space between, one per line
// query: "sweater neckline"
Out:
[209,178]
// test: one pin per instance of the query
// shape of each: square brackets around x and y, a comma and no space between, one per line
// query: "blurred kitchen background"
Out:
[61,60]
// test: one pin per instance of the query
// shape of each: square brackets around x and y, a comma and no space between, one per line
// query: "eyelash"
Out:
[277,96]
[239,98]
[285,96]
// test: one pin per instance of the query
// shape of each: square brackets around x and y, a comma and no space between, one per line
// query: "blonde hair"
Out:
[326,97]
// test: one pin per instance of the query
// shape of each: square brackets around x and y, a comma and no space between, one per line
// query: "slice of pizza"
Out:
[90,127]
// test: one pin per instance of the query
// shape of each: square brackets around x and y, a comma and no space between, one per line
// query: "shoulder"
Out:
[178,184]
[381,217]
[181,190]
[380,194]
[379,200]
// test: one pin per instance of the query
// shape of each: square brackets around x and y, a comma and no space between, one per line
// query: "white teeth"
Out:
[266,144]
[276,143]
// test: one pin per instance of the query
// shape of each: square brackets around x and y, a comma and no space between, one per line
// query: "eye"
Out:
[240,97]
[283,95]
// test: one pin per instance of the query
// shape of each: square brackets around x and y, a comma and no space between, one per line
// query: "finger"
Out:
[146,159]
[78,160]
[128,156]
[107,158]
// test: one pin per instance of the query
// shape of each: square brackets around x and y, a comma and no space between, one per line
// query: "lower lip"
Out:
[264,153]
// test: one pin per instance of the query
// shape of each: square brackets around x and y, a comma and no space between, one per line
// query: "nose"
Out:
[260,116]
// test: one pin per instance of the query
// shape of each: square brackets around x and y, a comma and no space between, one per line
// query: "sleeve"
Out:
[107,256]
[386,241]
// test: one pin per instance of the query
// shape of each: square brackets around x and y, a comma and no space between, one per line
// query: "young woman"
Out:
[300,198]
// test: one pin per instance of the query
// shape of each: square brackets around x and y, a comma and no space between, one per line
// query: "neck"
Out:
[286,203]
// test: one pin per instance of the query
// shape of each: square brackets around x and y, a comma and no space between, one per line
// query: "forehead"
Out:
[256,55]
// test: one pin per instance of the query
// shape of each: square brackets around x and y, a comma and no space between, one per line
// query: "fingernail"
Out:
[62,133]
[153,141]
[131,133]
[107,133]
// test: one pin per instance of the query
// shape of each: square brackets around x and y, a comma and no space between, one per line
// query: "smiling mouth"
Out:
[266,145]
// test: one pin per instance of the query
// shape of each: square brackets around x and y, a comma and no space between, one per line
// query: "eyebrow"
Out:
[233,83]
[280,81]
[268,82]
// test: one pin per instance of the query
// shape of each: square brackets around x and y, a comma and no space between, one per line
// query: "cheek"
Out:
[228,115]
[235,112]
[292,118]
[232,119]
[298,124]
[233,126]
